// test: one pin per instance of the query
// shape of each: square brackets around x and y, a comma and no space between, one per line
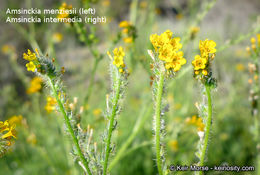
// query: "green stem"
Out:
[208,127]
[133,9]
[67,122]
[138,125]
[158,123]
[111,123]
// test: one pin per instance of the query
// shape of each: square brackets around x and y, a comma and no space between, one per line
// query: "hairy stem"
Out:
[111,122]
[158,123]
[208,127]
[67,122]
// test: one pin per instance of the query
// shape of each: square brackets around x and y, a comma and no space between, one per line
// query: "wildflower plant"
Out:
[119,74]
[43,67]
[85,150]
[167,60]
[202,65]
[254,82]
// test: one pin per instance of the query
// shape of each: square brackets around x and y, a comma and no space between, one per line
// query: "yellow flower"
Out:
[30,56]
[125,30]
[196,121]
[31,66]
[119,57]
[51,104]
[119,52]
[4,126]
[253,40]
[248,49]
[118,61]
[7,131]
[35,85]
[143,4]
[253,47]
[64,7]
[97,112]
[206,47]
[173,144]
[199,63]
[168,50]
[128,40]
[258,38]
[205,72]
[15,119]
[124,24]
[156,41]
[106,3]
[240,67]
[6,49]
[57,37]
[194,30]
[11,133]
[200,125]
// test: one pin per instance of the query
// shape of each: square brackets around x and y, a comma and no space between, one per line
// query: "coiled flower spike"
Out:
[167,49]
[202,62]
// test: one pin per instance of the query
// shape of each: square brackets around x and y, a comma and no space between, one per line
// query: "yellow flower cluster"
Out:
[35,85]
[7,131]
[64,7]
[31,57]
[196,121]
[128,31]
[201,62]
[168,50]
[118,58]
[255,44]
[51,104]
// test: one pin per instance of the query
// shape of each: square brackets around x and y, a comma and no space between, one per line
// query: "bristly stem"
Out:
[158,122]
[208,127]
[67,122]
[111,123]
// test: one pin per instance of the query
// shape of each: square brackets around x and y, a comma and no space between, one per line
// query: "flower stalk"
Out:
[158,123]
[203,72]
[68,124]
[119,76]
[111,124]
[254,81]
[208,127]
[167,61]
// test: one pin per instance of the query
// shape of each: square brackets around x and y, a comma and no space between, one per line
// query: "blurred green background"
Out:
[43,148]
